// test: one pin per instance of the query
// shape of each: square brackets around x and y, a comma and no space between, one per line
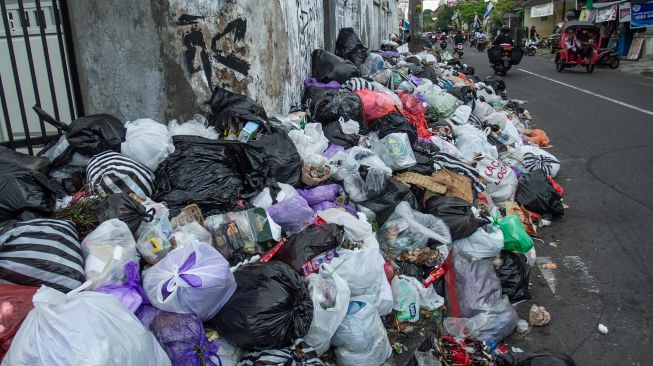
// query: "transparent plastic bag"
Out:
[330,295]
[82,328]
[407,229]
[106,251]
[485,242]
[198,126]
[361,339]
[147,142]
[395,151]
[359,189]
[405,299]
[191,233]
[293,214]
[131,293]
[194,279]
[310,143]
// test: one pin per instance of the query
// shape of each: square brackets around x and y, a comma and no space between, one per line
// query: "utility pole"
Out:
[415,17]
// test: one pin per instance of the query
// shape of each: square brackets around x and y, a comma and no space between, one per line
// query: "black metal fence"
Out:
[37,68]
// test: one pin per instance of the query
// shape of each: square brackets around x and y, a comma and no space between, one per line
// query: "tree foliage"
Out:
[444,18]
[429,23]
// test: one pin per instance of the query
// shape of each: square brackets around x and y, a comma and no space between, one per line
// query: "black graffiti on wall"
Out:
[194,44]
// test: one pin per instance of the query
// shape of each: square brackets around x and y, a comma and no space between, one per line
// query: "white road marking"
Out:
[646,111]
[586,280]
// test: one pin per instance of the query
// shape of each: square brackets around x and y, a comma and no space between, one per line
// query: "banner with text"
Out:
[542,10]
[641,15]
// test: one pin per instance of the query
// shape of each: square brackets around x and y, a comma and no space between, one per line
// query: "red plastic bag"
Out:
[15,303]
[376,104]
[557,186]
[414,110]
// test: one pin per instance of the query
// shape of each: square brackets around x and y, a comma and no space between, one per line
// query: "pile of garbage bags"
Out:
[243,237]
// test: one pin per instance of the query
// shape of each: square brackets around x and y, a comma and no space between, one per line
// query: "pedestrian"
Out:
[533,32]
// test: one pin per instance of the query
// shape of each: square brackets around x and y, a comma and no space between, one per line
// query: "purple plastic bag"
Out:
[131,293]
[293,214]
[332,150]
[314,82]
[389,54]
[146,314]
[313,196]
[182,337]
[417,81]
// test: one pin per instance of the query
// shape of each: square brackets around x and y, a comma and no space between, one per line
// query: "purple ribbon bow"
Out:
[191,279]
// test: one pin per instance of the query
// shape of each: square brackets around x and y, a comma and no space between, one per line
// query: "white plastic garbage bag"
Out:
[147,142]
[533,158]
[361,339]
[310,143]
[461,115]
[82,328]
[485,242]
[405,298]
[330,295]
[194,279]
[482,110]
[407,229]
[446,146]
[106,251]
[395,150]
[501,182]
[472,145]
[198,126]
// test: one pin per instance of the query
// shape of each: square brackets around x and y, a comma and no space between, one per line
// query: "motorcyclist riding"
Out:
[458,38]
[504,37]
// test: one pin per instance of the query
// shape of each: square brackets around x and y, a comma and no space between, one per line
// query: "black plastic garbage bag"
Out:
[95,133]
[456,213]
[211,173]
[514,274]
[542,358]
[271,307]
[24,194]
[332,105]
[350,47]
[35,163]
[326,66]
[383,205]
[538,195]
[333,132]
[126,209]
[310,95]
[496,82]
[424,157]
[395,123]
[307,244]
[227,106]
[463,93]
[283,158]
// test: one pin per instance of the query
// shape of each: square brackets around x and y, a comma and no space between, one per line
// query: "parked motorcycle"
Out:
[531,47]
[459,50]
[608,57]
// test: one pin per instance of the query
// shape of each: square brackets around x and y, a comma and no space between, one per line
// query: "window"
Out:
[10,16]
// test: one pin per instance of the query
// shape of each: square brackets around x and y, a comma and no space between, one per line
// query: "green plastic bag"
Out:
[515,237]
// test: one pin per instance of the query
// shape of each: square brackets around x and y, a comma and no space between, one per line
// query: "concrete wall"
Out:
[162,58]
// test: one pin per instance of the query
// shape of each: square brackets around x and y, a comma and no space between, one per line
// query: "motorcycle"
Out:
[503,56]
[459,50]
[608,57]
[472,41]
[531,47]
[443,45]
[480,44]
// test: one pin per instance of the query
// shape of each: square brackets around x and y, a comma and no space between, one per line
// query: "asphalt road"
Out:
[603,136]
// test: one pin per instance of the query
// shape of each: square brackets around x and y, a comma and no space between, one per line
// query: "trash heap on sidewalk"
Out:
[402,194]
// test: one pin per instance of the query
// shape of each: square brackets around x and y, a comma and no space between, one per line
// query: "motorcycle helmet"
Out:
[505,29]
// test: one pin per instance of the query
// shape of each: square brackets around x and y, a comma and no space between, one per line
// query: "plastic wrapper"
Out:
[283,158]
[331,105]
[292,214]
[24,194]
[42,252]
[131,293]
[107,249]
[408,229]
[500,180]
[330,295]
[536,193]
[377,105]
[350,47]
[515,236]
[194,279]
[514,274]
[326,66]
[485,242]
[312,241]
[485,312]
[213,174]
[15,304]
[71,326]
[361,339]
[182,337]
[126,209]
[327,192]
[395,150]
[147,142]
[271,307]
[457,214]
